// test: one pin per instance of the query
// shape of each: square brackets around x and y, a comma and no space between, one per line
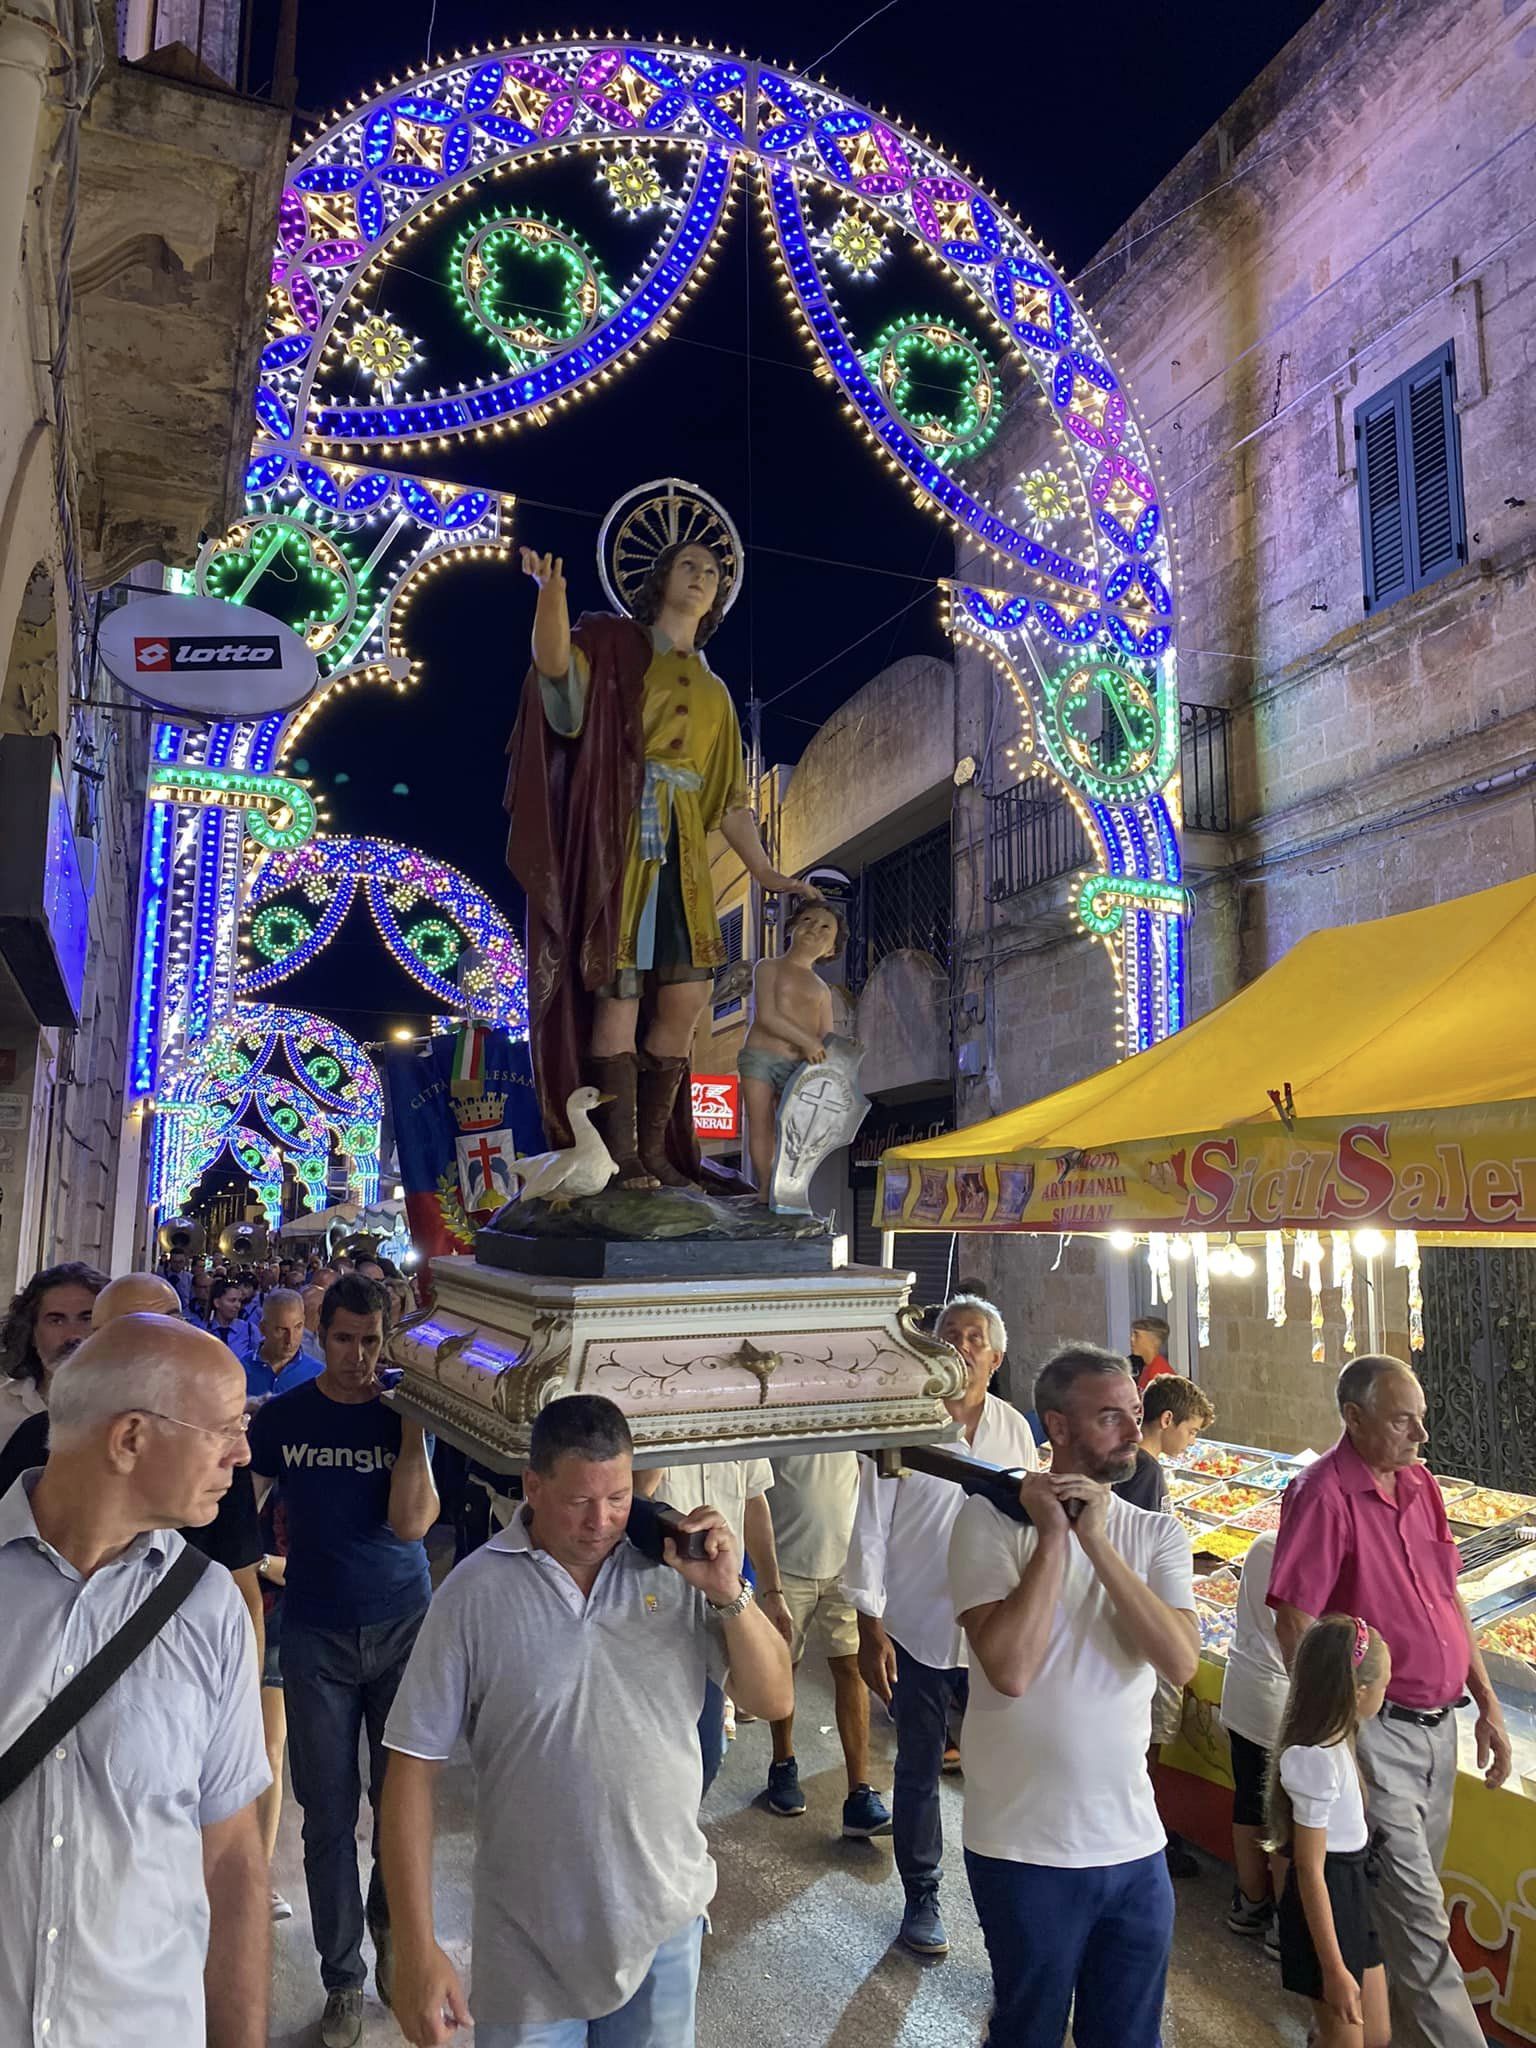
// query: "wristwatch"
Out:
[729,1609]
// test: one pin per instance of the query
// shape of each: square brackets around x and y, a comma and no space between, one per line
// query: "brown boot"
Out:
[614,1121]
[659,1083]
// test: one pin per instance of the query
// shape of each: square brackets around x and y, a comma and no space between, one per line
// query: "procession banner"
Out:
[1467,1169]
[459,1107]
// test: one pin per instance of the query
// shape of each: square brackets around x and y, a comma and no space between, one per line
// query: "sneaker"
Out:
[1180,1862]
[341,2024]
[951,1759]
[922,1930]
[730,1719]
[784,1795]
[281,1910]
[1248,1916]
[865,1813]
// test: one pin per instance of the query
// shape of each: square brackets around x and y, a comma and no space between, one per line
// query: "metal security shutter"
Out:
[927,1253]
[1408,452]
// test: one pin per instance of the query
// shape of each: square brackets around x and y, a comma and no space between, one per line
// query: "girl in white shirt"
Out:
[1328,1947]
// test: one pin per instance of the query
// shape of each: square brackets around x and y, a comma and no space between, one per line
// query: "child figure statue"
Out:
[791,1022]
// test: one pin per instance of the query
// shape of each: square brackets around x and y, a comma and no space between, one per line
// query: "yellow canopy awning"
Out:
[1407,1044]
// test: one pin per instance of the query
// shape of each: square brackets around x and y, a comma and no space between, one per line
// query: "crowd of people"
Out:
[213,1548]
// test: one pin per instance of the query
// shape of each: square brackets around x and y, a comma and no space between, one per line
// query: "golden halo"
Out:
[662,514]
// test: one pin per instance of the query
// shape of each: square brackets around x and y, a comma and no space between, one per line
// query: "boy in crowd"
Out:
[1149,1350]
[1173,1413]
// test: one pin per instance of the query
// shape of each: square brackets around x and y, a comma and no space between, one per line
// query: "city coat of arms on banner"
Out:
[487,1151]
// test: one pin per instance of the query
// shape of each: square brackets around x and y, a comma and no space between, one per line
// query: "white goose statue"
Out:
[582,1168]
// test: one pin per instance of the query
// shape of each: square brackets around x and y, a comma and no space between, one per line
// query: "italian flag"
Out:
[469,1059]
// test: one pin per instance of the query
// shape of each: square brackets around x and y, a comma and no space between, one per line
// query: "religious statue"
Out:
[626,755]
[791,1022]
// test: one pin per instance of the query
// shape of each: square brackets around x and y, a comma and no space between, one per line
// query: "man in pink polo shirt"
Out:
[1364,1532]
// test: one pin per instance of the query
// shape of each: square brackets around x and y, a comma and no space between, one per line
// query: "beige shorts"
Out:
[819,1605]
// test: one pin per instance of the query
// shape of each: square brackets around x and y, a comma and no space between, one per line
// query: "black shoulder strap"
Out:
[70,1706]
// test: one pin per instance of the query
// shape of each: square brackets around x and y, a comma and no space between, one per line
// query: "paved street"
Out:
[803,1924]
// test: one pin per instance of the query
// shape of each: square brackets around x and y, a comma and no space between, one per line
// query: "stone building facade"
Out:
[137,197]
[1364,203]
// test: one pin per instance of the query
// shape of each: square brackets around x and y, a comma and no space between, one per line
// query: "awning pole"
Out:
[887,1248]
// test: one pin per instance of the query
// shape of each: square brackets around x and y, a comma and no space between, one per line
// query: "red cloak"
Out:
[570,802]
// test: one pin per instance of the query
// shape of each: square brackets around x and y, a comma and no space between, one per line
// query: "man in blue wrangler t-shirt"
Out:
[356,1483]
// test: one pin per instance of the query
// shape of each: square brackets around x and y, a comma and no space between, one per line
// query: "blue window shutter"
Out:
[1382,470]
[1438,529]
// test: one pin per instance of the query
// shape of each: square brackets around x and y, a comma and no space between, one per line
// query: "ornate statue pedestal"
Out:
[708,1368]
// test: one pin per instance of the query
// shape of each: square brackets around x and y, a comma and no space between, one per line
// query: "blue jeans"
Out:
[659,2015]
[922,1706]
[1101,1936]
[338,1682]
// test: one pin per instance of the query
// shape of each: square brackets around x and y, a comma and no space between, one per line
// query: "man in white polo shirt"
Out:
[1071,1618]
[574,1666]
[910,1645]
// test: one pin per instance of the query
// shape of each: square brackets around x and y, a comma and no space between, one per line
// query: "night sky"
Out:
[839,561]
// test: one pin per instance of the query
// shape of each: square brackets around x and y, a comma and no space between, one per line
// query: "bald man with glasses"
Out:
[162,1774]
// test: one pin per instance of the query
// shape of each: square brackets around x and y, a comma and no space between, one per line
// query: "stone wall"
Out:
[1332,229]
[878,772]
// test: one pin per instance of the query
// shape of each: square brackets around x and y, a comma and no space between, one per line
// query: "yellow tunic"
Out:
[696,773]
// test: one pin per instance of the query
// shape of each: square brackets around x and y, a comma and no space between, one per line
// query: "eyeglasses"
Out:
[229,1432]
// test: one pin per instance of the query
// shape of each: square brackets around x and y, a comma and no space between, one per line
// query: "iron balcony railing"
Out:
[1036,837]
[1205,767]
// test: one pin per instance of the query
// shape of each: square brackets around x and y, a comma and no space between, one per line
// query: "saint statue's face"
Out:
[693,582]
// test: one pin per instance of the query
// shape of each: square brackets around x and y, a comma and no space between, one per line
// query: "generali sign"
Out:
[717,1105]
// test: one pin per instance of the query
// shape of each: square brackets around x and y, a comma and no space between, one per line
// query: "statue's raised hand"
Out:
[548,571]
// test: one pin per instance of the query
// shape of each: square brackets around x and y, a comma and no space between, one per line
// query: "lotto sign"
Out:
[153,656]
[203,657]
[717,1105]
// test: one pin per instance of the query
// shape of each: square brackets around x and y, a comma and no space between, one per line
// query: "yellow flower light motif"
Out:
[380,349]
[1047,496]
[634,183]
[857,243]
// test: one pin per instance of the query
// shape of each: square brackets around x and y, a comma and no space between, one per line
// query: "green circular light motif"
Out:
[294,571]
[496,263]
[435,943]
[286,1119]
[939,385]
[279,931]
[324,1071]
[1106,729]
[360,1138]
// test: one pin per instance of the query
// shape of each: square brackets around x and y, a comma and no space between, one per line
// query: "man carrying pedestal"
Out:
[1071,1618]
[574,1666]
[910,1644]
